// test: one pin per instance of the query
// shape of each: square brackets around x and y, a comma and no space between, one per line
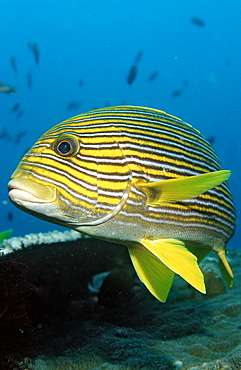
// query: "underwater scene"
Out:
[120,201]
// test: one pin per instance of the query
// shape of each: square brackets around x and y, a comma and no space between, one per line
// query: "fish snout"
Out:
[23,190]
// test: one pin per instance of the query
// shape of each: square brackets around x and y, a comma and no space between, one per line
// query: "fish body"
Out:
[198,21]
[34,48]
[137,176]
[138,57]
[176,93]
[132,75]
[15,107]
[153,76]
[13,64]
[73,105]
[7,89]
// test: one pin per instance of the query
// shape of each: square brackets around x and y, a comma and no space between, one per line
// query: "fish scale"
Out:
[132,175]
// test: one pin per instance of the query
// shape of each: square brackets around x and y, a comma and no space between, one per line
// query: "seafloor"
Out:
[114,323]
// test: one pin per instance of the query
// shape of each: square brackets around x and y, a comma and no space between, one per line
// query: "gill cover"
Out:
[53,172]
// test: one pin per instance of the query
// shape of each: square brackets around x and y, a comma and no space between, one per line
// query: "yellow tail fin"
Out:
[225,268]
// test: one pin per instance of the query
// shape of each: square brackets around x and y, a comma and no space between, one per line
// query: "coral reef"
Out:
[16,331]
[92,313]
[19,243]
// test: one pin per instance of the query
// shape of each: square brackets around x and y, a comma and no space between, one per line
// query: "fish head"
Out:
[75,175]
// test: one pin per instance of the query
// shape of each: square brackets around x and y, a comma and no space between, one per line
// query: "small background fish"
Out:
[7,89]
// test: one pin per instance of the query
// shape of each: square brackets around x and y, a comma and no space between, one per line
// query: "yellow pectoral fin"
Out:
[177,190]
[174,254]
[151,271]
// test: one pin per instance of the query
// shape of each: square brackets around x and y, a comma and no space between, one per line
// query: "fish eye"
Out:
[66,146]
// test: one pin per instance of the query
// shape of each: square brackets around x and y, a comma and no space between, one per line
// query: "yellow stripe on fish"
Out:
[137,176]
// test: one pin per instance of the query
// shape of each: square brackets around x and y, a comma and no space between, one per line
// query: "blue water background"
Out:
[97,42]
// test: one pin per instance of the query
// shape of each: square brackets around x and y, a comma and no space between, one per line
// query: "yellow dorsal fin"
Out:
[151,271]
[174,254]
[177,190]
[225,268]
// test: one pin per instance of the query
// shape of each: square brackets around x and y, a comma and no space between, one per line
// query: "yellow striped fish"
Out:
[139,177]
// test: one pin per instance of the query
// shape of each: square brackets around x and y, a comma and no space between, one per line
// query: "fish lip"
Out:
[22,190]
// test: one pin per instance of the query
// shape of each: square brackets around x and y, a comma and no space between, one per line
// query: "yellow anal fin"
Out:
[177,190]
[225,269]
[200,253]
[175,255]
[151,271]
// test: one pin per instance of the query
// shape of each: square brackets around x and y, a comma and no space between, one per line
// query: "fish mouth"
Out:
[22,190]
